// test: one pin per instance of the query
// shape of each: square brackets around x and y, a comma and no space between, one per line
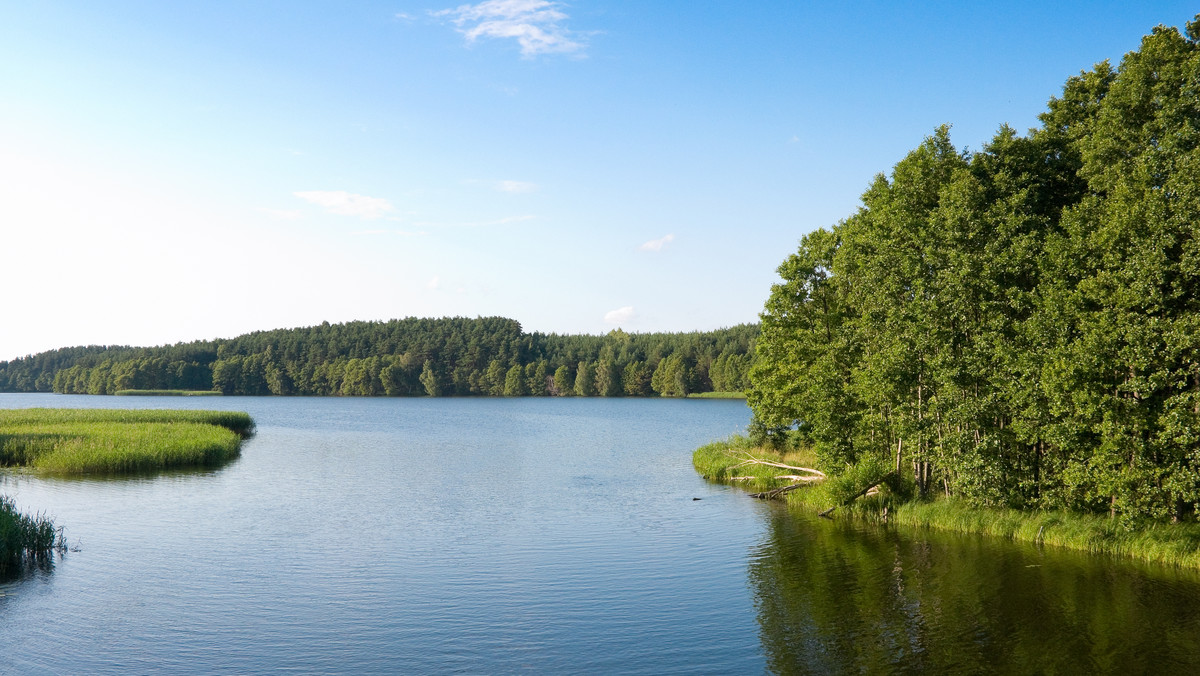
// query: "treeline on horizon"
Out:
[486,356]
[1017,326]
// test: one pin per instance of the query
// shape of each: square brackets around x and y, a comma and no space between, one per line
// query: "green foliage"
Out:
[852,480]
[465,357]
[1018,326]
[431,380]
[514,382]
[636,379]
[674,376]
[585,380]
[608,378]
[563,382]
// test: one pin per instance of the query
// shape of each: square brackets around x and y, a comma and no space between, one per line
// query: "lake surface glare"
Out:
[536,535]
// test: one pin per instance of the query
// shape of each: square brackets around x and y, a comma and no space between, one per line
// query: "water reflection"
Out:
[834,597]
[28,567]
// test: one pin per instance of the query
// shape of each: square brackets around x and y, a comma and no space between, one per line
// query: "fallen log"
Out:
[751,460]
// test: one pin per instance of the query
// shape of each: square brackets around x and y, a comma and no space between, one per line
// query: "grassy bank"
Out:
[724,462]
[717,395]
[167,393]
[24,538]
[109,441]
[1167,544]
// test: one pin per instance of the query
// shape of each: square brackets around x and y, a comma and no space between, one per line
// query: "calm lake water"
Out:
[537,535]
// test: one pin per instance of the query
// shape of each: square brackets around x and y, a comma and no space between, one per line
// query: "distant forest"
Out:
[487,356]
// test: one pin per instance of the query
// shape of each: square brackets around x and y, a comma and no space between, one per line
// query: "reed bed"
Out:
[24,538]
[235,421]
[107,441]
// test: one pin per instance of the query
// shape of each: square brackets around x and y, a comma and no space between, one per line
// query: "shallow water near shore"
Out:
[542,535]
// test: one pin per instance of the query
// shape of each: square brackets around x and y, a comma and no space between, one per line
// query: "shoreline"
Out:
[1166,544]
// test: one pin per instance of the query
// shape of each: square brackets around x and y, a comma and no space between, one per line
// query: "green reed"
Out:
[235,421]
[107,441]
[25,538]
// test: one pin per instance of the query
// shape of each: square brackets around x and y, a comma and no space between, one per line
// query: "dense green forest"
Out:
[407,357]
[1015,326]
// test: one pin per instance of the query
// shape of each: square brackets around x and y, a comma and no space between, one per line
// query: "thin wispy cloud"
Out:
[657,244]
[619,316]
[537,25]
[347,204]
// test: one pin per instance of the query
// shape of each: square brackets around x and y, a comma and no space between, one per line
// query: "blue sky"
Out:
[178,171]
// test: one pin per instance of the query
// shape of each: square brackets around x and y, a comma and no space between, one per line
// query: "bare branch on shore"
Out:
[751,460]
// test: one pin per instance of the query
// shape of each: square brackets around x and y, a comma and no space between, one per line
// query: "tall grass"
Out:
[723,461]
[1166,544]
[106,441]
[25,538]
[235,421]
[1174,544]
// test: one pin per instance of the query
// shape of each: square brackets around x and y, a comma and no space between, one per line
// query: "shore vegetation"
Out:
[113,441]
[877,496]
[1018,327]
[25,539]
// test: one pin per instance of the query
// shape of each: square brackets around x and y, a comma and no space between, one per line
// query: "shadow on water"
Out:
[838,597]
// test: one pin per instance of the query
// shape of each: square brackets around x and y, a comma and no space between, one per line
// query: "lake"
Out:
[536,535]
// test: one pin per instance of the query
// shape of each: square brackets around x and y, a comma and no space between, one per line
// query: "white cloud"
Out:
[434,284]
[619,316]
[515,186]
[346,204]
[657,244]
[537,25]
